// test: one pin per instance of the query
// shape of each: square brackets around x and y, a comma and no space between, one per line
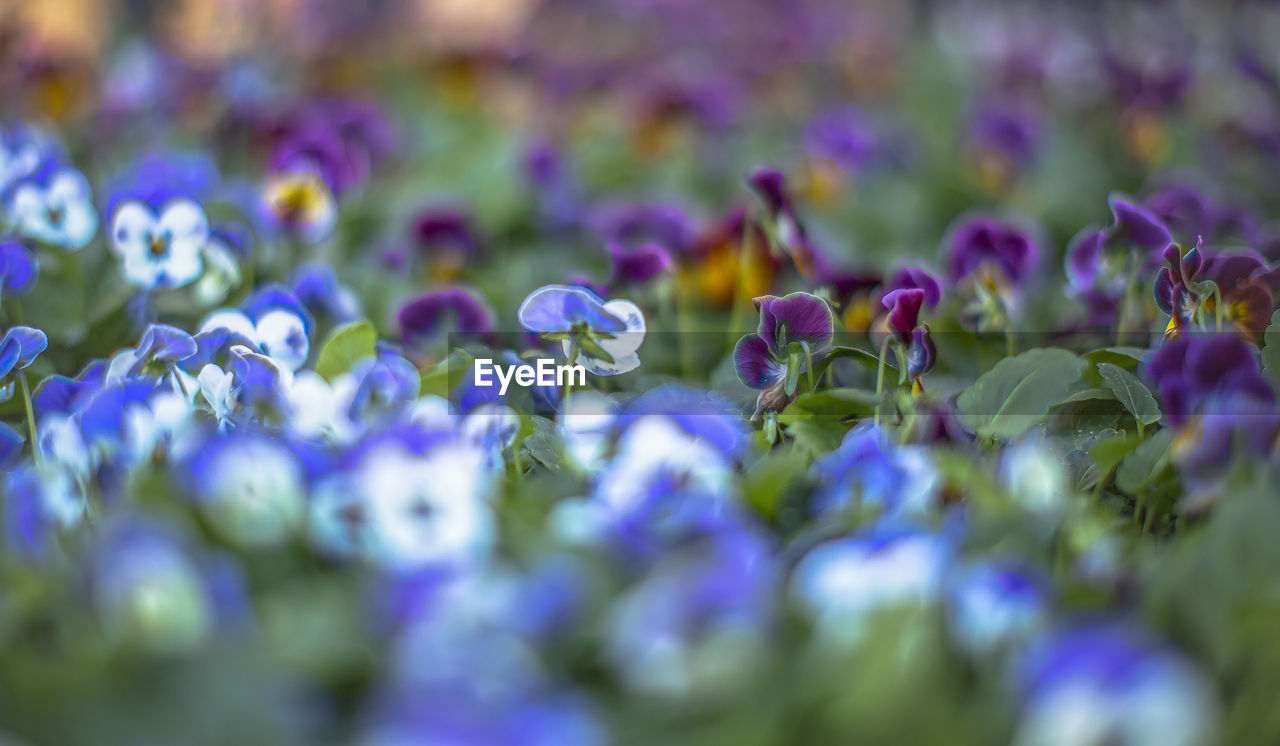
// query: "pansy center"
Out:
[158,244]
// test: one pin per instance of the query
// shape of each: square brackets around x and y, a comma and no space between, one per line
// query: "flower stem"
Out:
[1131,268]
[31,416]
[884,350]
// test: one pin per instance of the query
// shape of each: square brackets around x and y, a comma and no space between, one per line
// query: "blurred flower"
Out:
[996,253]
[318,288]
[250,487]
[147,588]
[408,510]
[446,238]
[601,336]
[301,203]
[843,583]
[459,310]
[730,260]
[1034,474]
[19,270]
[1106,682]
[695,628]
[869,470]
[271,319]
[1208,374]
[160,250]
[637,266]
[792,331]
[994,606]
[59,212]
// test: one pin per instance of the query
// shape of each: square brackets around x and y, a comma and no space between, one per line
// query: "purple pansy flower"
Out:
[984,244]
[771,186]
[792,330]
[636,266]
[1214,373]
[461,309]
[841,134]
[632,226]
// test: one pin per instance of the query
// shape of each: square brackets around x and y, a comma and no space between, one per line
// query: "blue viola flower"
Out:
[318,288]
[715,598]
[58,212]
[250,487]
[408,510]
[601,336]
[160,249]
[150,589]
[385,385]
[792,331]
[158,179]
[702,414]
[38,503]
[1108,682]
[19,270]
[274,320]
[25,152]
[158,357]
[662,486]
[993,606]
[19,348]
[870,470]
[845,582]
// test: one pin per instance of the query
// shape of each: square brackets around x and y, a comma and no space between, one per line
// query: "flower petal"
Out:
[753,363]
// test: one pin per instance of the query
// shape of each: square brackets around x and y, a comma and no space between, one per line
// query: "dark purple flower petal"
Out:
[985,242]
[639,265]
[754,364]
[915,277]
[445,229]
[807,318]
[1084,259]
[426,317]
[904,310]
[1137,225]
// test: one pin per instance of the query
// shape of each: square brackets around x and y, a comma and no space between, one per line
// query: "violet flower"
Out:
[791,332]
[461,309]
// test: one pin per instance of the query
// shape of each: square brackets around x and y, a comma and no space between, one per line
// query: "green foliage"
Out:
[1019,392]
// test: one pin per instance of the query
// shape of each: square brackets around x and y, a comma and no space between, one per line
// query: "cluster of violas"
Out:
[271,438]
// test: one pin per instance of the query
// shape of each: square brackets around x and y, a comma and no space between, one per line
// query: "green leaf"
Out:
[771,475]
[1147,460]
[1019,392]
[544,444]
[443,377]
[1123,356]
[1109,452]
[346,346]
[1131,393]
[1271,346]
[817,435]
[839,403]
[1090,394]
